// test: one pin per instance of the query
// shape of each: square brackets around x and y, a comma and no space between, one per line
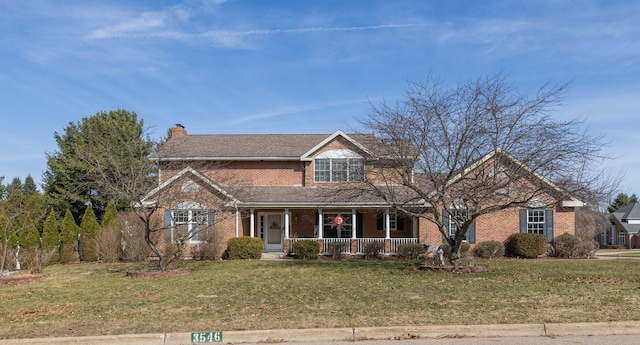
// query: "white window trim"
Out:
[341,154]
[348,223]
[533,229]
[191,223]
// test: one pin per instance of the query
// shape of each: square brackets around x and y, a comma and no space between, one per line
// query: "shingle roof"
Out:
[221,146]
[623,214]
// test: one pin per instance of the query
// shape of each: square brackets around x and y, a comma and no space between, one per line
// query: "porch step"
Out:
[272,256]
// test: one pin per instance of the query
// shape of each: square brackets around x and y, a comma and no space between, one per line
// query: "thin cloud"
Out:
[225,37]
[291,110]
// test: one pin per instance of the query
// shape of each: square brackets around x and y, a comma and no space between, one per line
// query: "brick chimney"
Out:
[178,130]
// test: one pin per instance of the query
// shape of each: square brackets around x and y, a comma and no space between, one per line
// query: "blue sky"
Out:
[301,66]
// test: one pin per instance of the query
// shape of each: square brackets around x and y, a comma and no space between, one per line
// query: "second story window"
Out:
[339,166]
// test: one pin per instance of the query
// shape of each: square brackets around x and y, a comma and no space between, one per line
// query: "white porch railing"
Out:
[360,243]
[395,242]
[326,242]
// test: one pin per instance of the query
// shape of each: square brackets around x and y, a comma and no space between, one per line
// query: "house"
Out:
[287,187]
[625,227]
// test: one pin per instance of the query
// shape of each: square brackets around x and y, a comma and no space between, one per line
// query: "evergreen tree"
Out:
[622,200]
[88,231]
[29,240]
[51,236]
[3,189]
[69,232]
[29,187]
[110,215]
[114,138]
[15,185]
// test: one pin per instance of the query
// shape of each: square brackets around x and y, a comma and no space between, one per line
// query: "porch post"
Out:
[415,227]
[286,223]
[354,223]
[252,223]
[613,235]
[320,225]
[387,224]
[237,223]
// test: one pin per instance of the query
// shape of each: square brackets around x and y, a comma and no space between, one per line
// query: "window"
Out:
[622,238]
[330,229]
[189,187]
[187,224]
[537,221]
[396,222]
[339,166]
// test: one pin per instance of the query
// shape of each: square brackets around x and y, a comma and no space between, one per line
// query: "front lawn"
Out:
[93,299]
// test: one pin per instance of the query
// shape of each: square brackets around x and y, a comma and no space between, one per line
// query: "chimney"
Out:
[178,130]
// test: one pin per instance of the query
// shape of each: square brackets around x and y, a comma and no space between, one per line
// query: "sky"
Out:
[286,66]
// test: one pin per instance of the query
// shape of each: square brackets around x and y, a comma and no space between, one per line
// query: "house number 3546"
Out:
[206,337]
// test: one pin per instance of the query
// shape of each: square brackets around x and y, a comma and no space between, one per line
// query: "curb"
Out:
[352,334]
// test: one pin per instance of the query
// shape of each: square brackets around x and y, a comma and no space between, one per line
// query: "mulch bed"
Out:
[156,274]
[20,278]
[456,269]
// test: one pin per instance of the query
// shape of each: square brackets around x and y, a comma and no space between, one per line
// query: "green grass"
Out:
[93,299]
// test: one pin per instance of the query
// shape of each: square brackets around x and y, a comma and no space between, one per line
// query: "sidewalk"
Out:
[353,334]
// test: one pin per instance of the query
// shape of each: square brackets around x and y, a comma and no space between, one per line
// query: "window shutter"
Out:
[211,217]
[380,222]
[445,220]
[548,224]
[167,226]
[523,221]
[359,225]
[400,222]
[471,232]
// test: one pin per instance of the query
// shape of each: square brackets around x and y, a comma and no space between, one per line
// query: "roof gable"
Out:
[570,202]
[188,171]
[308,155]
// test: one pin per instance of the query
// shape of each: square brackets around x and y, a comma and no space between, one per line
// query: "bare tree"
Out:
[476,148]
[124,170]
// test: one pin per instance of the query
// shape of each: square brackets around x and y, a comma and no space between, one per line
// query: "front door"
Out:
[273,230]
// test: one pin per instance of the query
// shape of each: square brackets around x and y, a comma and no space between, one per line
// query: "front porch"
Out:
[353,228]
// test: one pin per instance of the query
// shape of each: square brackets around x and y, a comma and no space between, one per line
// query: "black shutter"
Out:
[167,226]
[380,222]
[471,232]
[523,221]
[445,221]
[359,225]
[400,221]
[548,224]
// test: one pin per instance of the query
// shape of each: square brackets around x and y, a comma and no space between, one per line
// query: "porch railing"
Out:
[395,242]
[360,243]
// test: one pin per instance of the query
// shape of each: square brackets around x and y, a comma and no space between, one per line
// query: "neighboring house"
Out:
[287,187]
[625,227]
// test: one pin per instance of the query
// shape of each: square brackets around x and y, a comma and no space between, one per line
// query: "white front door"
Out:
[273,230]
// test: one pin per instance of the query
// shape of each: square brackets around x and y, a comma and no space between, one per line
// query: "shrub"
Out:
[41,258]
[489,249]
[526,245]
[306,249]
[335,249]
[464,248]
[210,247]
[565,245]
[109,241]
[241,248]
[134,246]
[410,250]
[373,249]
